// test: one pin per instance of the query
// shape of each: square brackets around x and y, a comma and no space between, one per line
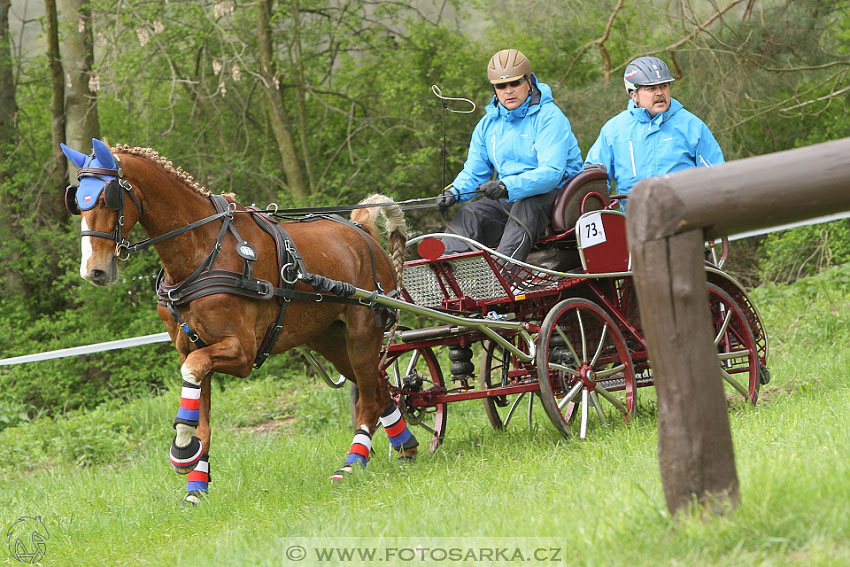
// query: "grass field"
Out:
[102,484]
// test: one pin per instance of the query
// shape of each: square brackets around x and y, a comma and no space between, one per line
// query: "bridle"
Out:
[115,187]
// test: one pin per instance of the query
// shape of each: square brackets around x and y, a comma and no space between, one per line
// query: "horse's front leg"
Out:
[198,480]
[189,452]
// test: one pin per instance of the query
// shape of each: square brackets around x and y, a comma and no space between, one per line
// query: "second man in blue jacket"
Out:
[655,135]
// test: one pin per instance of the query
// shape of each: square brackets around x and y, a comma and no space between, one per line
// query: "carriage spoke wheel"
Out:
[736,346]
[418,370]
[584,367]
[496,364]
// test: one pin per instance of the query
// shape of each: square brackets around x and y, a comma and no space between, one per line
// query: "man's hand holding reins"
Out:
[494,189]
[446,199]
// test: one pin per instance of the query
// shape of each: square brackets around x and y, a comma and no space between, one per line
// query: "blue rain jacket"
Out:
[532,148]
[634,146]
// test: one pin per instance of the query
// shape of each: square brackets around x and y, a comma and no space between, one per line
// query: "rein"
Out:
[409,205]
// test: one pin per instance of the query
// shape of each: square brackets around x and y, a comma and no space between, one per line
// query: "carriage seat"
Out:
[589,187]
[568,204]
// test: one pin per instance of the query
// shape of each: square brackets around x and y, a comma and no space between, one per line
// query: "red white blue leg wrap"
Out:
[199,479]
[190,405]
[400,436]
[361,448]
[187,457]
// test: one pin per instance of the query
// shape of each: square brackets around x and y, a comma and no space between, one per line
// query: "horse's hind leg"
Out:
[400,436]
[363,349]
[361,446]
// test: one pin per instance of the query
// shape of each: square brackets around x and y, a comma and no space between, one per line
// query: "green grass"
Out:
[102,482]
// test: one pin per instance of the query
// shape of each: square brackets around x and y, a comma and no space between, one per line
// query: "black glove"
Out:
[446,199]
[494,189]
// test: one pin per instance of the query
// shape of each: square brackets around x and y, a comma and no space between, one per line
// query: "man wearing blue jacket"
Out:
[655,134]
[528,142]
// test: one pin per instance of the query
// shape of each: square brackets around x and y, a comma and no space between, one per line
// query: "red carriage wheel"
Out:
[583,366]
[736,345]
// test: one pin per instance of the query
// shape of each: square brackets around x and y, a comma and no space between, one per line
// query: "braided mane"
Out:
[152,155]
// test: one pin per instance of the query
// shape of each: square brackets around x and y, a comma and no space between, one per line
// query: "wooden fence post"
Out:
[695,452]
[669,218]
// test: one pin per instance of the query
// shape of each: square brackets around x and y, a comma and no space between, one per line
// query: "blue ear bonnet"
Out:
[91,182]
[91,186]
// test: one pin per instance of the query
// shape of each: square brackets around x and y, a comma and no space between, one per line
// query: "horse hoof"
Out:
[185,459]
[192,499]
[341,473]
[406,459]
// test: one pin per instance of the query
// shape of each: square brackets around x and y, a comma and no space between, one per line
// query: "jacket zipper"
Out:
[632,154]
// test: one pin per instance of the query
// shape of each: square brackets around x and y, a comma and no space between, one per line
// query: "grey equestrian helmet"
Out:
[646,71]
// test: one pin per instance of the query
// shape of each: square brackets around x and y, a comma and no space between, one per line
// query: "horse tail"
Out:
[395,223]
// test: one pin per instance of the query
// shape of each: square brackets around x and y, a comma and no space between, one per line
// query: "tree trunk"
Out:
[298,66]
[8,107]
[78,57]
[59,167]
[277,112]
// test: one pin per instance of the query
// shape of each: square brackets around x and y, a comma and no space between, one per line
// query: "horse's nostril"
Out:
[98,276]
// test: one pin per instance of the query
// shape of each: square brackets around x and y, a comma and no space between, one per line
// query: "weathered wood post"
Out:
[669,218]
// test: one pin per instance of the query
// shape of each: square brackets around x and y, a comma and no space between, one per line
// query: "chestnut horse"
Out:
[232,288]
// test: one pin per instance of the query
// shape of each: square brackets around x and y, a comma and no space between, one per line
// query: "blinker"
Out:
[71,199]
[112,195]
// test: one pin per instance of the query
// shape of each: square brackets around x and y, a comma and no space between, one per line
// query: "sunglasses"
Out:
[512,84]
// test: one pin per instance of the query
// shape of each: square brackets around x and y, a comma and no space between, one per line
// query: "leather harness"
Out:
[207,280]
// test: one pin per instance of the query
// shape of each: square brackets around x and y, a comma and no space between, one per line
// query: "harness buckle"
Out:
[265,289]
[286,267]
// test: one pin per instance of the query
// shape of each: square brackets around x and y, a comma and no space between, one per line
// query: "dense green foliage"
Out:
[601,502]
[355,77]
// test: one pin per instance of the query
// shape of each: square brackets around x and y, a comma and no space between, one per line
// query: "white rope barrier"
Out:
[87,349]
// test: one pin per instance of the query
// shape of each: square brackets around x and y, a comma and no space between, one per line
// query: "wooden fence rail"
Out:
[669,218]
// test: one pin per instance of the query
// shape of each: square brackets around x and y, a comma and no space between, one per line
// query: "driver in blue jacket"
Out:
[655,135]
[528,142]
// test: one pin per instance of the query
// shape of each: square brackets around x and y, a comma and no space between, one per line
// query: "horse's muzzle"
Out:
[103,275]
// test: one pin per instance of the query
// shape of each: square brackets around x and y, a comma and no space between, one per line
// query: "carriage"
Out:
[236,287]
[564,326]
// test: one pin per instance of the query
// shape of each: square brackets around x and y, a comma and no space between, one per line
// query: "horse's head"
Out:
[99,199]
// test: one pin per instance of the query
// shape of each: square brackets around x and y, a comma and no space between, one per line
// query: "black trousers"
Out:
[510,228]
